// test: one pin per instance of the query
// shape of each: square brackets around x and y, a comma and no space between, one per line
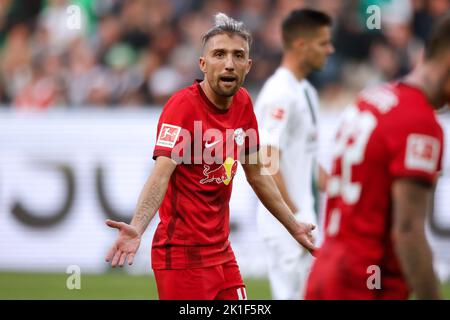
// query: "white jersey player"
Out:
[287,110]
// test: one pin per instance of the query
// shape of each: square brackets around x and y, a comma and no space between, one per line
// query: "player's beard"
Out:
[318,65]
[315,62]
[223,90]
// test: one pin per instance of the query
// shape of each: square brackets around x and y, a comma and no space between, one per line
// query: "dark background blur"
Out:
[138,52]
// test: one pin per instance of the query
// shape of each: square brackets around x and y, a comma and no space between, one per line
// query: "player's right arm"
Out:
[171,127]
[412,200]
[148,204]
[271,155]
[269,195]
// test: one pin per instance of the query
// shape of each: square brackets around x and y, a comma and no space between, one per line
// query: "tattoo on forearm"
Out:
[149,204]
[292,218]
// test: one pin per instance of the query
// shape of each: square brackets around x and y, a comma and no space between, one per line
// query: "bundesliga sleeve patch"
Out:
[278,113]
[168,135]
[422,153]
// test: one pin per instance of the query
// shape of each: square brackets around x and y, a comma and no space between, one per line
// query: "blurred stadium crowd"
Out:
[138,52]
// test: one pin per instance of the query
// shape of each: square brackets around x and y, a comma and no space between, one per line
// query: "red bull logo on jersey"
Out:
[224,173]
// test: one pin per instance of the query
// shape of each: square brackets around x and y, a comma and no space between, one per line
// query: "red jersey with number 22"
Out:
[391,133]
[194,226]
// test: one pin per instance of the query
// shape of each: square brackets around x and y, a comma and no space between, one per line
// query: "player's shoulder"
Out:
[243,99]
[185,94]
[182,99]
[400,110]
[308,86]
[243,96]
[281,82]
[279,87]
[413,107]
[397,101]
[380,99]
[310,91]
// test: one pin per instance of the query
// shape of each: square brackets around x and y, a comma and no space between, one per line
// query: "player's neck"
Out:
[220,102]
[428,77]
[292,64]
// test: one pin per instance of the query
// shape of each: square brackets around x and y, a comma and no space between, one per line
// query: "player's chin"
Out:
[228,91]
[319,66]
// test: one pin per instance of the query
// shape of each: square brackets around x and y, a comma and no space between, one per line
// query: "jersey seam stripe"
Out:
[308,100]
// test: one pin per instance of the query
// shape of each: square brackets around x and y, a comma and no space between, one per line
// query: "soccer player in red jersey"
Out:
[387,159]
[203,131]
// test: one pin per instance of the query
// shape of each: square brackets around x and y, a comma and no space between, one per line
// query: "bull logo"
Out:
[224,173]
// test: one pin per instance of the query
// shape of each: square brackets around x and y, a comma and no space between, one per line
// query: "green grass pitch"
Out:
[117,285]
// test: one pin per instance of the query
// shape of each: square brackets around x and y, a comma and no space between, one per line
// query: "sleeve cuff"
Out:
[418,176]
[165,153]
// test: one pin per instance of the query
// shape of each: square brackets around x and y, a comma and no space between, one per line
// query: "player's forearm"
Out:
[411,201]
[322,179]
[269,195]
[149,202]
[280,183]
[416,260]
[270,160]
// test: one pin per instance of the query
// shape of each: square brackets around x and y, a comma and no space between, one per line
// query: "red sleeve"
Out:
[252,133]
[417,153]
[173,132]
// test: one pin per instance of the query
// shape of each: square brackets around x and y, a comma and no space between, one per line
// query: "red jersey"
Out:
[206,142]
[391,133]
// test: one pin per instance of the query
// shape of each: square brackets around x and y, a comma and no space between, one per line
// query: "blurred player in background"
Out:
[191,254]
[387,159]
[287,111]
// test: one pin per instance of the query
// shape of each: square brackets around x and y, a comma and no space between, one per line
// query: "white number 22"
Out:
[358,126]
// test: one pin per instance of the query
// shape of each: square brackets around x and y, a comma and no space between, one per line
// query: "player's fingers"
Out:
[122,259]
[110,254]
[311,226]
[313,239]
[130,259]
[313,251]
[308,244]
[116,258]
[113,224]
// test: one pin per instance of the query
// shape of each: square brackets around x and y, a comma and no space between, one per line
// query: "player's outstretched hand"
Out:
[126,245]
[304,236]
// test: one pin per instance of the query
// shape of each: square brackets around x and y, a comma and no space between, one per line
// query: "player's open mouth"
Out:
[227,78]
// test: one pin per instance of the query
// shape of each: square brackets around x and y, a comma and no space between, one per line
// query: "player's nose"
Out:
[331,49]
[229,63]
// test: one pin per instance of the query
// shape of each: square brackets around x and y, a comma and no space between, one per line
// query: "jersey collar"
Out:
[208,102]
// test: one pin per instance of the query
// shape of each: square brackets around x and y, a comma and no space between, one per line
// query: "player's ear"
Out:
[249,65]
[299,44]
[202,64]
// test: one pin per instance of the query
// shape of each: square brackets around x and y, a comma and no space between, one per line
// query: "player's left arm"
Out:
[412,200]
[415,167]
[322,178]
[266,189]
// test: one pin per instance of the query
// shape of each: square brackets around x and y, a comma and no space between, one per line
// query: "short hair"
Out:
[223,24]
[439,39]
[302,22]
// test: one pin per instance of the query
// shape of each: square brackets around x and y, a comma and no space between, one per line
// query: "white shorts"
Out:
[288,262]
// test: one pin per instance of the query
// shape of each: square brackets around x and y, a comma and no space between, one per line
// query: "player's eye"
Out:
[219,54]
